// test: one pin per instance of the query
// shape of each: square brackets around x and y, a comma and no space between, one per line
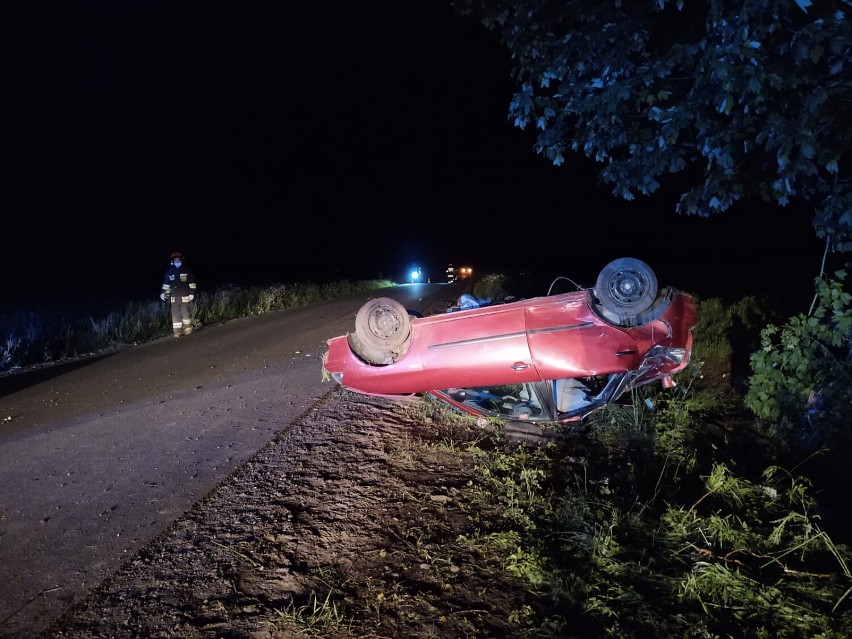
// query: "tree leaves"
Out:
[754,94]
[803,372]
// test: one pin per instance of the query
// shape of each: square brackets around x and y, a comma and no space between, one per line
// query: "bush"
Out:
[802,375]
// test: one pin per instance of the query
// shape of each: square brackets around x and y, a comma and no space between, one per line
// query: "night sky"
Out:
[285,142]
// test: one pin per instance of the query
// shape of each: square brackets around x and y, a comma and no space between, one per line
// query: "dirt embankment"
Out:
[350,524]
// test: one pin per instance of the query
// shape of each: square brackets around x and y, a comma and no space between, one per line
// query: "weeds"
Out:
[30,339]
[320,617]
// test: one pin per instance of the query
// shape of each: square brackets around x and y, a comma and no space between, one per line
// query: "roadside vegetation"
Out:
[649,523]
[716,508]
[37,338]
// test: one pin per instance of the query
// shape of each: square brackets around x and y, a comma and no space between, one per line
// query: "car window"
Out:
[573,394]
[517,401]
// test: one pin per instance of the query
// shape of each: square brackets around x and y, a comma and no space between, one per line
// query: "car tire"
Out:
[382,331]
[626,287]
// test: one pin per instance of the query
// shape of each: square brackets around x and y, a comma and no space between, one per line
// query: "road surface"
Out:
[98,457]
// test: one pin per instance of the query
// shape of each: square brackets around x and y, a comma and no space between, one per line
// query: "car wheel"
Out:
[627,287]
[382,330]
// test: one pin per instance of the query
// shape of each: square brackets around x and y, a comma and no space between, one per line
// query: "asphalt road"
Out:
[99,456]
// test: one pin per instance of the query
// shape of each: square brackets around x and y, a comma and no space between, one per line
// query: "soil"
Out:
[345,525]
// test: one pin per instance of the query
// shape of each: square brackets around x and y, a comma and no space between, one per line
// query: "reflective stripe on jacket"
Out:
[179,282]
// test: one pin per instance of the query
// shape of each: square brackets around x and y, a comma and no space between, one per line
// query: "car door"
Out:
[477,348]
[566,339]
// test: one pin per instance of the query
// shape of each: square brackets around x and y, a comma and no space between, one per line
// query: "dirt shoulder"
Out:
[350,524]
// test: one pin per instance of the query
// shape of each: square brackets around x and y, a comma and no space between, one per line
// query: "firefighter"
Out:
[179,289]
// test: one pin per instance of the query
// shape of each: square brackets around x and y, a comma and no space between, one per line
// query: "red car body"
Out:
[521,350]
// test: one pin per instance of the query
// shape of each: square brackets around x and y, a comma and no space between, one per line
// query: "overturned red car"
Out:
[555,358]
